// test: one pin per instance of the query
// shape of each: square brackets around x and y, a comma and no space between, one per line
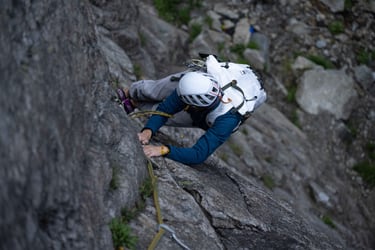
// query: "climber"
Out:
[195,99]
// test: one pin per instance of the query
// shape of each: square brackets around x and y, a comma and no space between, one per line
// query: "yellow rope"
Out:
[142,112]
[156,239]
[149,112]
[161,231]
[159,217]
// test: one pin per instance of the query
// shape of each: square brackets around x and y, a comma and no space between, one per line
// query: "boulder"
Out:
[330,91]
[241,32]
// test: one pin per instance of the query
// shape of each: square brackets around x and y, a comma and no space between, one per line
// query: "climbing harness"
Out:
[162,227]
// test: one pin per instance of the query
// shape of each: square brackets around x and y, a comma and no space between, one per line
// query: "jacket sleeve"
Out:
[171,105]
[207,143]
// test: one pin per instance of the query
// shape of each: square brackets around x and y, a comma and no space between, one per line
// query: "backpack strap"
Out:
[233,84]
[176,78]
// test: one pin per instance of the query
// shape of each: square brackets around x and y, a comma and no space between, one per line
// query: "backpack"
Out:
[243,91]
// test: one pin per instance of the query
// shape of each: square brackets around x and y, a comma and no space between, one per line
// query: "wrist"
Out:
[147,131]
[164,150]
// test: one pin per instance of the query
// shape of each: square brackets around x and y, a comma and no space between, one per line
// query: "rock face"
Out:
[60,138]
[70,159]
[335,6]
[214,207]
[330,91]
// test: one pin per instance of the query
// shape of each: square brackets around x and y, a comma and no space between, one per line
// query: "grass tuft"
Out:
[195,30]
[336,27]
[366,170]
[121,234]
[321,60]
[268,181]
[328,221]
[175,11]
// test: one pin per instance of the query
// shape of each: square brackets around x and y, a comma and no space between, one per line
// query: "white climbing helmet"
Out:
[198,89]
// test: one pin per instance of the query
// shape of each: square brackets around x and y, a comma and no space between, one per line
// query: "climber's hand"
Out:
[152,151]
[145,136]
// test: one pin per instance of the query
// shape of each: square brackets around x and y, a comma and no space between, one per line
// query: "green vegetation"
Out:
[121,234]
[348,4]
[268,159]
[321,60]
[291,97]
[336,27]
[370,149]
[129,214]
[185,183]
[114,82]
[352,128]
[176,11]
[208,20]
[195,30]
[238,49]
[137,71]
[244,131]
[146,189]
[114,183]
[237,150]
[242,60]
[268,181]
[364,56]
[253,45]
[142,39]
[294,119]
[366,169]
[221,47]
[224,157]
[286,71]
[328,221]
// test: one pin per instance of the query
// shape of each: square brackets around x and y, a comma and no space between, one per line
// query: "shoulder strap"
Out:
[233,84]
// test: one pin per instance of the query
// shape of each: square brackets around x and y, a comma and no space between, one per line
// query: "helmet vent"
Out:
[198,89]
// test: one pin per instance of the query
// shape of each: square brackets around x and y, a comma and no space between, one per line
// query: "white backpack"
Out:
[242,89]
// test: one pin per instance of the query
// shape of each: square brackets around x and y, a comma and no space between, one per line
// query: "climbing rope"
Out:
[162,227]
[149,112]
[157,206]
[142,112]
